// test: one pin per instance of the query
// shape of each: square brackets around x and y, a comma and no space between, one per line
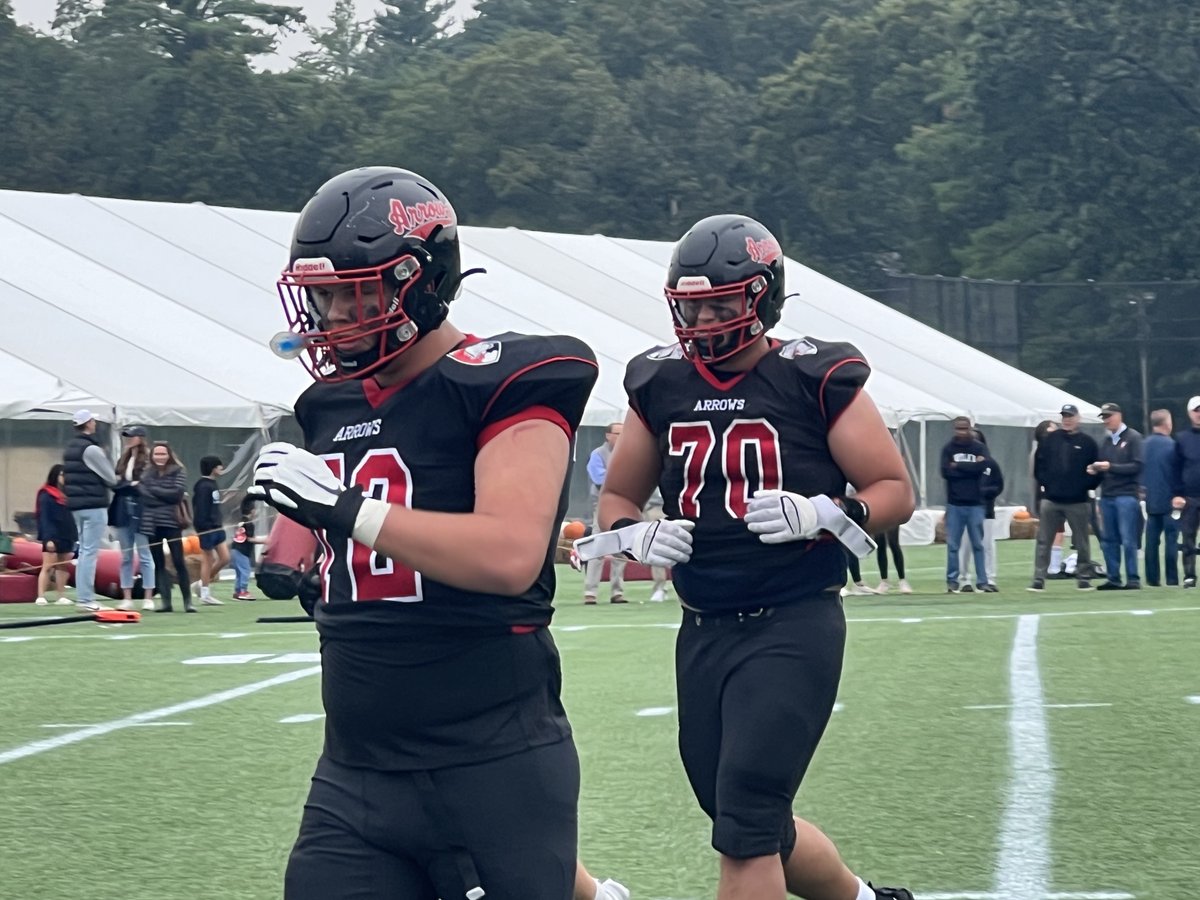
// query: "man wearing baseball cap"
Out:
[1061,467]
[1120,466]
[89,476]
[1187,489]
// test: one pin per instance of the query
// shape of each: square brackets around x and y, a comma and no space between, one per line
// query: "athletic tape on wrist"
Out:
[369,521]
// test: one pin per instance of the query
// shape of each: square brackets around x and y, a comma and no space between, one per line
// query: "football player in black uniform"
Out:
[434,476]
[752,441]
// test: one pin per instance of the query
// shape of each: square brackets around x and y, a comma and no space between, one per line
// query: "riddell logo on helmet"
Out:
[420,218]
[765,251]
[313,266]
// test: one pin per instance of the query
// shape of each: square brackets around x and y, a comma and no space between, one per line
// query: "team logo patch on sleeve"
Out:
[797,348]
[482,354]
[671,351]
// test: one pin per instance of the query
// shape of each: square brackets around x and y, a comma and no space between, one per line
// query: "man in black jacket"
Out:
[89,477]
[963,461]
[1120,464]
[1061,467]
[1187,489]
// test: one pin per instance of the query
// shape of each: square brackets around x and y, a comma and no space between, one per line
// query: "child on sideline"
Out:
[243,550]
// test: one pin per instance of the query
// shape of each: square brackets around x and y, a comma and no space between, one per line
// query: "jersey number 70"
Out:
[381,474]
[695,442]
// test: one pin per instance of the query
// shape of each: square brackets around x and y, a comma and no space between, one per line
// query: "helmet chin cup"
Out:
[406,332]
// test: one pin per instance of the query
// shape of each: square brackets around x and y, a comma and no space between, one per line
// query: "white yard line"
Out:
[1023,868]
[859,620]
[103,728]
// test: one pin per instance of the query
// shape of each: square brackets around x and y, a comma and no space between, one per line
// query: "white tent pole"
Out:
[924,493]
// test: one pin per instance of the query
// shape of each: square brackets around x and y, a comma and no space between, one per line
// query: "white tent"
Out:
[161,313]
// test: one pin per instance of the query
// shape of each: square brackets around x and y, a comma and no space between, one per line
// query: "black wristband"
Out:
[621,523]
[856,510]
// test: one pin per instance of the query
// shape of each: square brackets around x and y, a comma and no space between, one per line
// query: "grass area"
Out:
[914,779]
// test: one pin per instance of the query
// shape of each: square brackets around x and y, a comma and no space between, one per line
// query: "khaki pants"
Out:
[595,569]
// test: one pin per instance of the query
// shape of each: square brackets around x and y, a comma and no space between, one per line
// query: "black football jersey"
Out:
[722,440]
[418,672]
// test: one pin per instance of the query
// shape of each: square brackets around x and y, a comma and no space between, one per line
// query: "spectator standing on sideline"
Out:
[125,514]
[1187,489]
[162,487]
[89,477]
[654,513]
[1062,472]
[991,484]
[1158,484]
[57,534]
[963,461]
[206,504]
[1120,465]
[1045,427]
[242,554]
[597,469]
[886,540]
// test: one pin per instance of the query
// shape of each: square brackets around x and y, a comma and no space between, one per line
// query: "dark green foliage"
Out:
[1043,142]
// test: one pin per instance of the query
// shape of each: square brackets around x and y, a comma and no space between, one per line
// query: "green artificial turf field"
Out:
[1012,745]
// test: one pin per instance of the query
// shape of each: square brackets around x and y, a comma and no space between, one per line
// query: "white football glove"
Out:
[781,516]
[666,542]
[301,486]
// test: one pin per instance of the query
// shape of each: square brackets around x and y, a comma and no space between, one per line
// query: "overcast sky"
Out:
[40,13]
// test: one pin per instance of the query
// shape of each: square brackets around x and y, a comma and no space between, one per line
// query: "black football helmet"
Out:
[727,257]
[386,237]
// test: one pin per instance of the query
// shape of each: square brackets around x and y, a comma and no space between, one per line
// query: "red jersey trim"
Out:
[825,381]
[517,374]
[543,413]
[716,382]
[376,396]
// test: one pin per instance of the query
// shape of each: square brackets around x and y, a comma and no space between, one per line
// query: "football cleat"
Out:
[887,893]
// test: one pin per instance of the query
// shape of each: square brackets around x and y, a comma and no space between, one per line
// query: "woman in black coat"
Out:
[161,488]
[57,533]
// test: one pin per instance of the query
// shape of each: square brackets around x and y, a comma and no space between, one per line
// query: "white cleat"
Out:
[125,604]
[883,588]
[64,601]
[658,596]
[211,601]
[40,601]
[905,587]
[148,605]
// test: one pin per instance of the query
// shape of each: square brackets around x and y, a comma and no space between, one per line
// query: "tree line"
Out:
[1049,142]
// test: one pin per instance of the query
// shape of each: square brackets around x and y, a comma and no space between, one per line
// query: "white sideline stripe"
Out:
[301,717]
[1048,706]
[655,711]
[1195,698]
[1023,867]
[904,620]
[91,725]
[166,712]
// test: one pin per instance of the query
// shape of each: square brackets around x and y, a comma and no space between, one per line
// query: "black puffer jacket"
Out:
[160,492]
